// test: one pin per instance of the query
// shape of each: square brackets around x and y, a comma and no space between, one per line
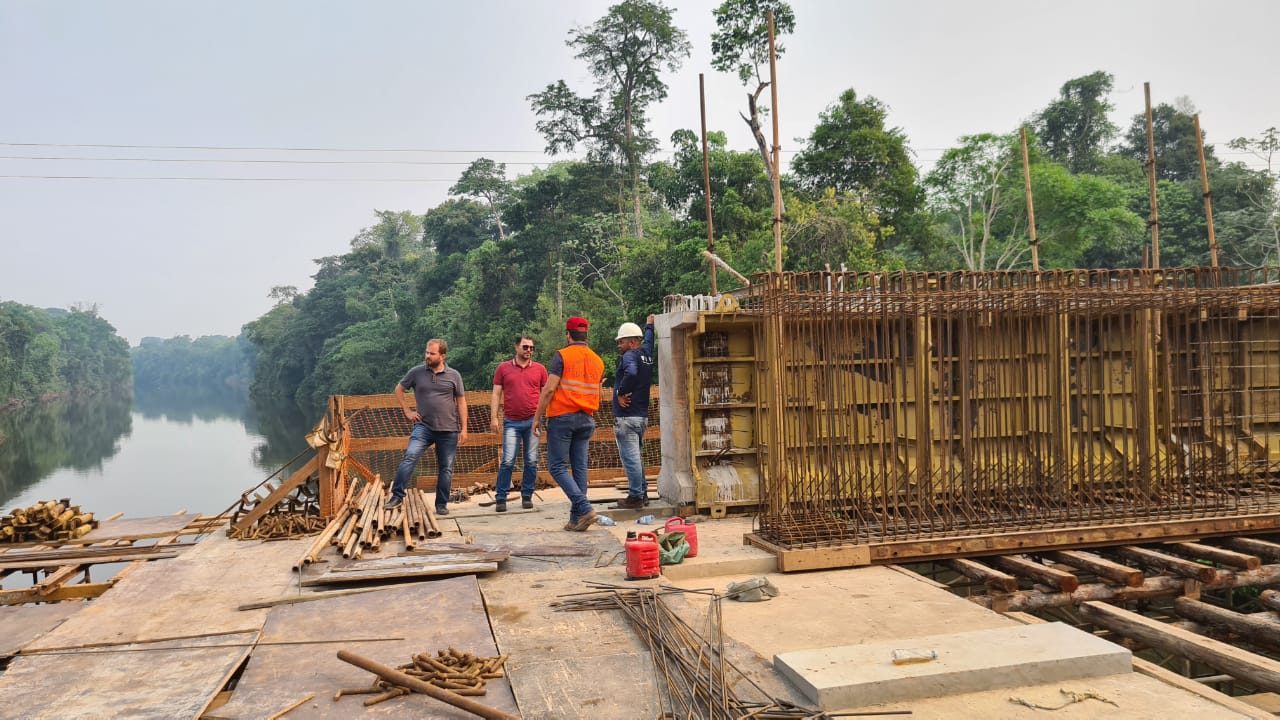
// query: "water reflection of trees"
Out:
[283,428]
[78,433]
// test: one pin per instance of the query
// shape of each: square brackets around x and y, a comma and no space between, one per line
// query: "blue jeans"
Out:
[420,439]
[515,432]
[629,434]
[568,437]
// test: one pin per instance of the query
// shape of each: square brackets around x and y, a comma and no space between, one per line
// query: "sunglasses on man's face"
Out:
[526,347]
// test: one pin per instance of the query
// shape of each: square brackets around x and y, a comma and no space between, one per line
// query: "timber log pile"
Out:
[363,523]
[1020,583]
[46,521]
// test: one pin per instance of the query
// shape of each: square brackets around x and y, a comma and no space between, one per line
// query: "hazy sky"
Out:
[448,81]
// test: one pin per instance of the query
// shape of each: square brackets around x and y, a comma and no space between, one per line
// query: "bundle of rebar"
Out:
[46,521]
[363,523]
[695,678]
[280,526]
[462,673]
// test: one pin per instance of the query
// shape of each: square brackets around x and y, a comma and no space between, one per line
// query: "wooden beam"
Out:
[1219,555]
[1263,673]
[1025,567]
[1176,565]
[332,578]
[90,560]
[1270,599]
[992,578]
[1098,565]
[279,494]
[1258,630]
[1254,546]
[65,592]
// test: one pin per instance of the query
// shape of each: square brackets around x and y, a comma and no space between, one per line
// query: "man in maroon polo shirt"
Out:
[517,383]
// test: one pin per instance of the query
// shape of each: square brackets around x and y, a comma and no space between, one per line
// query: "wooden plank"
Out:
[74,554]
[288,486]
[88,560]
[1098,565]
[1150,669]
[136,528]
[813,558]
[1027,541]
[1176,565]
[332,578]
[429,616]
[539,549]
[992,578]
[80,591]
[197,592]
[408,561]
[21,625]
[1261,672]
[1221,556]
[173,680]
[1018,565]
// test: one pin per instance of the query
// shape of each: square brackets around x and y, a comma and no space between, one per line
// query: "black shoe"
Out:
[630,503]
[526,503]
[500,506]
[442,511]
[393,503]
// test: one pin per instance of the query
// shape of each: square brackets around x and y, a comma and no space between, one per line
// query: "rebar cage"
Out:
[918,405]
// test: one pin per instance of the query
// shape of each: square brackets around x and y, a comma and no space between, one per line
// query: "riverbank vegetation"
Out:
[610,232]
[48,353]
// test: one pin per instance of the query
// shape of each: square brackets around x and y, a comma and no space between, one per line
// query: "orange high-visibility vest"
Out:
[579,388]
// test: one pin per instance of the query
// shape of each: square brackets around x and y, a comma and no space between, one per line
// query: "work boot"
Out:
[392,503]
[630,503]
[526,503]
[442,511]
[584,522]
[500,506]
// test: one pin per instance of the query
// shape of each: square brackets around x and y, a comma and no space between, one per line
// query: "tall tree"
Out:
[486,179]
[970,188]
[626,50]
[852,152]
[1074,129]
[740,45]
[1174,132]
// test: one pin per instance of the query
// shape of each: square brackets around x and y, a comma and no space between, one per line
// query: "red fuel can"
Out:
[677,524]
[642,556]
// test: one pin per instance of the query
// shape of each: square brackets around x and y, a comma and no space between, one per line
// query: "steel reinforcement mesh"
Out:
[385,428]
[929,405]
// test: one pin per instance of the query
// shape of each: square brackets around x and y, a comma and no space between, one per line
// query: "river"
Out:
[143,455]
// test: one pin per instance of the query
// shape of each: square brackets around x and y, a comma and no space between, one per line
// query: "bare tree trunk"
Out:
[762,143]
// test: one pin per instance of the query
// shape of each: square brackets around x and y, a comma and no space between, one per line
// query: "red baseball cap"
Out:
[576,323]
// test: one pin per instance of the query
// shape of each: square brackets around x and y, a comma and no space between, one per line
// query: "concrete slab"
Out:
[837,677]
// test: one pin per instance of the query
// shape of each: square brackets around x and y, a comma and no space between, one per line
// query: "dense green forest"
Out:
[49,353]
[608,234]
[209,366]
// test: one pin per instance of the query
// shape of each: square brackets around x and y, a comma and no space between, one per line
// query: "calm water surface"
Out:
[145,455]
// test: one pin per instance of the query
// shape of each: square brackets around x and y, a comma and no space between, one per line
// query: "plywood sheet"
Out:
[158,526]
[21,624]
[569,664]
[430,616]
[195,593]
[176,679]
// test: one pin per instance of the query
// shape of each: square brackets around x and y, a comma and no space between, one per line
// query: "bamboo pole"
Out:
[717,260]
[1154,221]
[1031,206]
[706,185]
[1208,196]
[777,150]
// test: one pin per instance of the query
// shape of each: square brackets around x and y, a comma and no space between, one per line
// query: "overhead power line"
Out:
[229,179]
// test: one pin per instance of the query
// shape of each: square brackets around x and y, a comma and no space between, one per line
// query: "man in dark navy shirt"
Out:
[631,386]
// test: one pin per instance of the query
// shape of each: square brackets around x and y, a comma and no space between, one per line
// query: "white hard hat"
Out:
[629,330]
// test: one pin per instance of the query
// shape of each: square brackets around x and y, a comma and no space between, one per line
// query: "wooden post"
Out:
[1208,196]
[1154,221]
[777,151]
[1031,206]
[706,185]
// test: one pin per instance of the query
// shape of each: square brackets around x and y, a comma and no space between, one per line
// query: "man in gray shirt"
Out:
[439,418]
